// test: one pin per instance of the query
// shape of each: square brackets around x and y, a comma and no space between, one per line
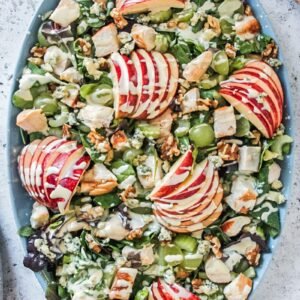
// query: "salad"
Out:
[153,146]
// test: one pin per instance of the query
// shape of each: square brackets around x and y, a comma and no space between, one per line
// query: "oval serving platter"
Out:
[22,203]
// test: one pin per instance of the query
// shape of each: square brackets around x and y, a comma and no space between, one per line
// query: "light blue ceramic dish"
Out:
[22,203]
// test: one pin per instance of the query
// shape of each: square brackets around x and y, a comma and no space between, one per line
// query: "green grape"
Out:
[202,135]
[220,63]
[183,16]
[231,7]
[161,16]
[20,102]
[47,103]
[186,242]
[209,83]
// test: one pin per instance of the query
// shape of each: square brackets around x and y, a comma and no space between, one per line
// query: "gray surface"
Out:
[283,276]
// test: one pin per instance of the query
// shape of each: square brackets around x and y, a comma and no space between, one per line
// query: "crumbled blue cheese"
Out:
[169,276]
[164,235]
[207,288]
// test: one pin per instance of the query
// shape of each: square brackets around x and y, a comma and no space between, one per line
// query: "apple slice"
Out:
[256,75]
[161,84]
[252,92]
[30,150]
[269,71]
[198,201]
[40,169]
[172,88]
[138,6]
[175,291]
[34,164]
[57,166]
[202,173]
[175,225]
[157,293]
[69,179]
[178,173]
[249,110]
[150,76]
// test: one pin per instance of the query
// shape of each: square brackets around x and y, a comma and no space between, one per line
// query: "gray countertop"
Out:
[282,278]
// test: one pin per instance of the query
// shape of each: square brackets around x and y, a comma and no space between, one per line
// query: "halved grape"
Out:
[202,135]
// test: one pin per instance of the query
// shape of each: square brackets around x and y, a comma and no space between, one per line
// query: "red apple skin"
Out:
[54,163]
[161,82]
[156,293]
[178,173]
[271,114]
[27,164]
[71,180]
[192,185]
[138,6]
[247,109]
[200,212]
[132,97]
[186,208]
[172,88]
[21,168]
[268,70]
[256,75]
[149,74]
[40,169]
[34,164]
[265,85]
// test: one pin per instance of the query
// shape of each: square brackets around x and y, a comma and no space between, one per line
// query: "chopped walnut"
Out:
[66,131]
[230,50]
[183,25]
[92,244]
[214,24]
[101,144]
[89,213]
[38,51]
[253,256]
[134,234]
[119,140]
[181,274]
[208,103]
[271,51]
[85,46]
[128,193]
[196,283]
[119,20]
[228,151]
[172,24]
[216,245]
[169,148]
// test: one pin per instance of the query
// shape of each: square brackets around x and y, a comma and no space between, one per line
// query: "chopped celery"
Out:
[231,7]
[279,145]
[160,16]
[142,294]
[192,261]
[130,154]
[186,242]
[250,272]
[183,16]
[220,63]
[242,127]
[149,131]
[183,127]
[170,255]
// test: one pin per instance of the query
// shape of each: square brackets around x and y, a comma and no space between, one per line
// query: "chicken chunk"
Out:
[32,120]
[66,13]
[144,36]
[106,40]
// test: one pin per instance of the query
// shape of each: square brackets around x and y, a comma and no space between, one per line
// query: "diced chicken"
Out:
[93,67]
[71,75]
[248,28]
[243,194]
[66,13]
[195,70]
[33,120]
[123,283]
[190,101]
[246,247]
[274,173]
[239,288]
[224,122]
[249,159]
[39,216]
[113,228]
[234,226]
[106,40]
[217,271]
[145,255]
[96,116]
[57,59]
[98,181]
[144,36]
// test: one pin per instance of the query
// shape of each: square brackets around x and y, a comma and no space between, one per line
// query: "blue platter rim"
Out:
[21,202]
